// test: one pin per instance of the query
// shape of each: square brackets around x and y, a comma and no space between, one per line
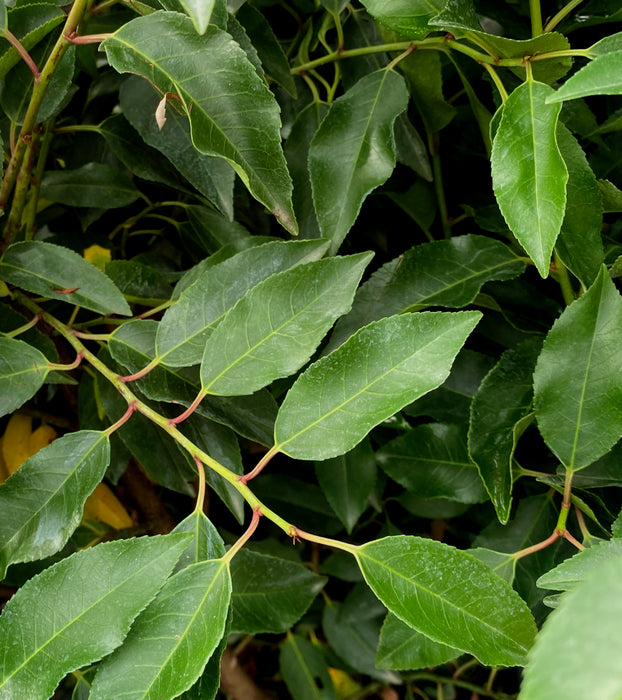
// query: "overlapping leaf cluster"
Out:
[346,273]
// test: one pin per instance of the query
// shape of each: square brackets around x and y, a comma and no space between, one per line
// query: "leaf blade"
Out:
[22,372]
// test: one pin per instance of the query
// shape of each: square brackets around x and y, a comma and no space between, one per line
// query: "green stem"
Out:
[31,207]
[38,93]
[22,185]
[201,489]
[535,12]
[326,541]
[566,10]
[433,145]
[563,279]
[565,509]
[497,81]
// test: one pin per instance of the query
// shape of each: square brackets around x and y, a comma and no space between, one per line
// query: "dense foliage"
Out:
[310,352]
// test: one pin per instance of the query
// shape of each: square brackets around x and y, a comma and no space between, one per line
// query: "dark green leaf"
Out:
[353,151]
[153,46]
[187,324]
[92,185]
[589,668]
[379,370]
[406,17]
[402,648]
[442,273]
[139,283]
[347,482]
[274,329]
[51,270]
[270,594]
[53,624]
[578,378]
[171,640]
[22,372]
[199,11]
[449,596]
[212,176]
[42,501]
[602,76]
[304,670]
[503,399]
[410,149]
[432,461]
[528,172]
[206,543]
[579,244]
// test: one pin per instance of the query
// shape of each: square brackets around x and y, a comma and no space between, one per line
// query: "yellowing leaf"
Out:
[4,290]
[4,472]
[97,256]
[40,438]
[15,441]
[103,505]
[344,684]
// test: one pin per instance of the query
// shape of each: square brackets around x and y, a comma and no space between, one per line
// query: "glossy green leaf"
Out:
[560,665]
[205,544]
[305,670]
[528,172]
[353,151]
[274,329]
[347,482]
[449,596]
[442,273]
[574,570]
[269,50]
[53,624]
[188,323]
[502,564]
[457,14]
[139,283]
[606,45]
[379,370]
[199,11]
[29,24]
[432,461]
[22,372]
[602,76]
[153,47]
[51,271]
[171,640]
[213,177]
[578,378]
[423,73]
[296,152]
[612,196]
[402,648]
[503,399]
[406,17]
[42,501]
[580,244]
[410,149]
[270,594]
[92,185]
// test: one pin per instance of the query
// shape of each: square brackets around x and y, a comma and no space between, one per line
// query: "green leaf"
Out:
[29,24]
[602,76]
[379,370]
[53,624]
[23,370]
[449,596]
[406,17]
[139,283]
[206,543]
[187,324]
[574,570]
[304,670]
[410,149]
[348,481]
[606,45]
[213,177]
[270,594]
[42,501]
[502,401]
[442,273]
[457,14]
[233,114]
[528,172]
[199,11]
[273,330]
[353,151]
[92,185]
[432,461]
[578,378]
[402,648]
[171,640]
[580,244]
[559,665]
[50,270]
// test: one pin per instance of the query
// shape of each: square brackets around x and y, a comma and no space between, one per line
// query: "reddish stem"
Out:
[260,465]
[16,44]
[140,374]
[124,419]
[201,489]
[189,411]
[246,536]
[566,535]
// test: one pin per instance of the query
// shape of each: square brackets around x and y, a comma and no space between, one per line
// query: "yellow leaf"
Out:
[4,290]
[103,505]
[40,438]
[344,684]
[4,472]
[97,256]
[15,441]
